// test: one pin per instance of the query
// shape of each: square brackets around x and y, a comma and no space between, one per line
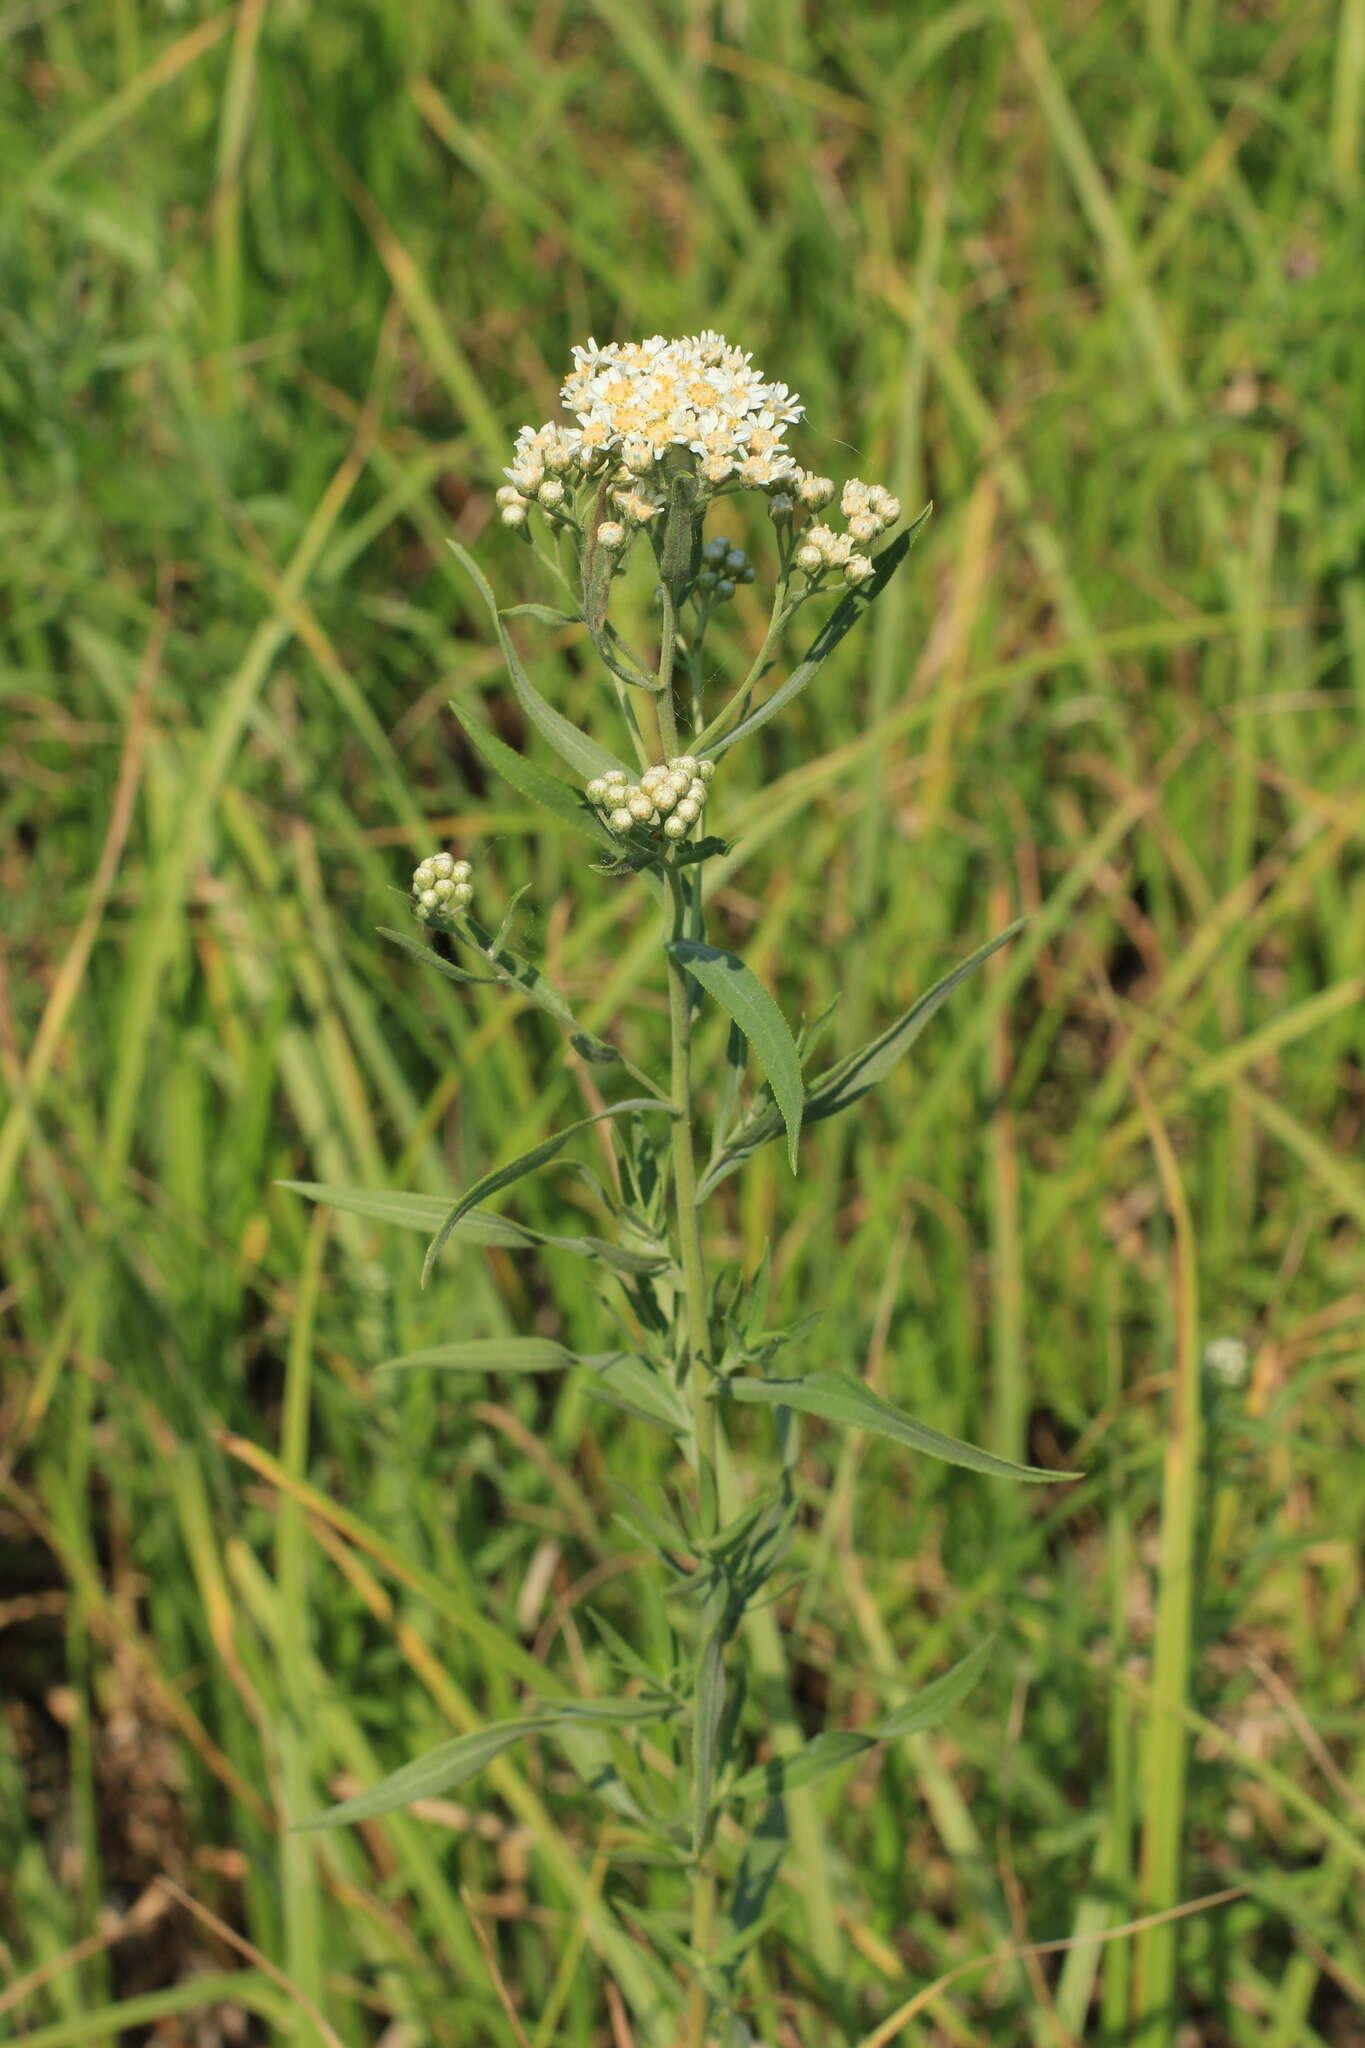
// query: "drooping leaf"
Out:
[747,1001]
[426,1213]
[835,1747]
[564,802]
[840,622]
[528,1162]
[850,1078]
[453,1763]
[582,754]
[840,1398]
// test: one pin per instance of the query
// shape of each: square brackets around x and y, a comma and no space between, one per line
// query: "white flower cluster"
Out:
[672,795]
[441,882]
[636,400]
[869,510]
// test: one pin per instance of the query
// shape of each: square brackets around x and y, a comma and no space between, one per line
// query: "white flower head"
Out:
[610,534]
[635,400]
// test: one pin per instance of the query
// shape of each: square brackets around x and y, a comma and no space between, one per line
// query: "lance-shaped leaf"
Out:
[544,613]
[850,1078]
[583,755]
[708,1708]
[840,622]
[487,1354]
[840,1398]
[628,1383]
[511,971]
[567,804]
[453,1763]
[758,1017]
[427,1212]
[839,1746]
[429,957]
[528,1162]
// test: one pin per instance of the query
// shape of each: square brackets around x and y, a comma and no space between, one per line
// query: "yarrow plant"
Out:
[660,435]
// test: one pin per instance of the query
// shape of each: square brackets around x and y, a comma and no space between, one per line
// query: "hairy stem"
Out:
[695,1313]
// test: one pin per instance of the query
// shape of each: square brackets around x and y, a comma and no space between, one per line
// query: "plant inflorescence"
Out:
[659,434]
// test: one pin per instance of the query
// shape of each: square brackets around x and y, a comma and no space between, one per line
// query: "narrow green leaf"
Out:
[565,803]
[836,1747]
[487,1354]
[758,1017]
[813,1761]
[517,1169]
[545,614]
[629,1384]
[440,1770]
[934,1702]
[839,1398]
[582,754]
[840,622]
[850,1078]
[426,1213]
[429,957]
[706,1718]
[452,1763]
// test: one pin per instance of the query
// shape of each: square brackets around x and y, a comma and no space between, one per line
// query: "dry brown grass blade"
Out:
[252,1955]
[1013,1951]
[499,1982]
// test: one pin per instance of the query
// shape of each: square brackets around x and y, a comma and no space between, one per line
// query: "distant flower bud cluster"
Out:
[670,796]
[724,566]
[441,883]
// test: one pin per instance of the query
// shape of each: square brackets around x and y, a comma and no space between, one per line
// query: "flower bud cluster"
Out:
[441,883]
[723,567]
[869,510]
[670,797]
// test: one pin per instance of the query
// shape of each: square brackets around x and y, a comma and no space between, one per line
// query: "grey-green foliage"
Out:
[693,1348]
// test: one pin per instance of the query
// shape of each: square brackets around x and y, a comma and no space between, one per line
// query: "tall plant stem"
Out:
[706,1426]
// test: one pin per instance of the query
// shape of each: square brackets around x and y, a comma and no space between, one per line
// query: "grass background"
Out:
[280,281]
